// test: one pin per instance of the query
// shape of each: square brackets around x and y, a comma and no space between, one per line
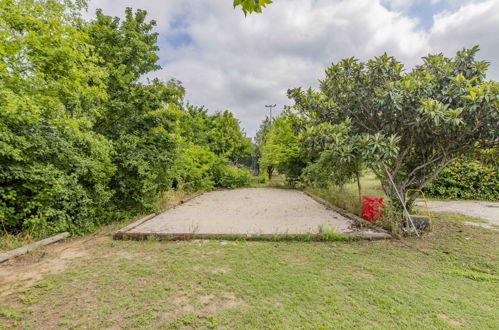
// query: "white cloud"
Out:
[472,24]
[400,5]
[241,64]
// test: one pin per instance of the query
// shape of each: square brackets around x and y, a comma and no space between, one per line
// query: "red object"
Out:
[372,207]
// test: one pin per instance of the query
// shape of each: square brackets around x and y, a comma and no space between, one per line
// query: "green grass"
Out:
[347,197]
[444,280]
[462,218]
[278,181]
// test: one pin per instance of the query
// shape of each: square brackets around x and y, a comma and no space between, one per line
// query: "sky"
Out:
[228,61]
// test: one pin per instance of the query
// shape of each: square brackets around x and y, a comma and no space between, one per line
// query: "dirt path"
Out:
[248,211]
[488,211]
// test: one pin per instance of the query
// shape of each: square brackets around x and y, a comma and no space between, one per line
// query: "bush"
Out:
[52,177]
[194,170]
[227,176]
[464,179]
[263,178]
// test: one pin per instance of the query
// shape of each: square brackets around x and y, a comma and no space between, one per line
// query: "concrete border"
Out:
[24,249]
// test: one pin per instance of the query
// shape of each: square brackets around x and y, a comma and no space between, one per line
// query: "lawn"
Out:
[449,278]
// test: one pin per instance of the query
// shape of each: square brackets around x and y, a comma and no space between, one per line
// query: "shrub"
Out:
[54,169]
[464,179]
[194,170]
[263,178]
[53,177]
[227,176]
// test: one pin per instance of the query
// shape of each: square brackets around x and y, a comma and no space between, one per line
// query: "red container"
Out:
[372,207]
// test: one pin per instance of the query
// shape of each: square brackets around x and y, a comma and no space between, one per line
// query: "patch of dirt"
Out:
[483,225]
[50,259]
[220,271]
[453,322]
[364,274]
[203,304]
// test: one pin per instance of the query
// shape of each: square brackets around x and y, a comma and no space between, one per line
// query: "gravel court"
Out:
[247,211]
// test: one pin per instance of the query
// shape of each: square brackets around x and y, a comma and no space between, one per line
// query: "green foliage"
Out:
[227,139]
[465,179]
[220,133]
[140,119]
[263,177]
[405,125]
[227,176]
[194,169]
[82,140]
[54,168]
[281,149]
[250,6]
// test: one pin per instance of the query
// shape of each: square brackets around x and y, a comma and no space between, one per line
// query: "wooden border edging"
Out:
[252,237]
[22,250]
[135,224]
[361,222]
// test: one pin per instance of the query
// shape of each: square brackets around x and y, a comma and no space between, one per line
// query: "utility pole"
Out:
[270,109]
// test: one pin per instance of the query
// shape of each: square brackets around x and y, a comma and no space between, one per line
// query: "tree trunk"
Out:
[270,170]
[359,187]
[389,190]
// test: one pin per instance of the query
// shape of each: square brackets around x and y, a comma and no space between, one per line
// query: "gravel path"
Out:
[247,211]
[477,209]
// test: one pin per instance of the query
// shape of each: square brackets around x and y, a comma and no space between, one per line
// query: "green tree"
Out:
[435,113]
[260,139]
[282,148]
[83,140]
[53,168]
[140,119]
[227,138]
[221,133]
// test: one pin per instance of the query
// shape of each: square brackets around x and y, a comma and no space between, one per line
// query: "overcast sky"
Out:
[227,61]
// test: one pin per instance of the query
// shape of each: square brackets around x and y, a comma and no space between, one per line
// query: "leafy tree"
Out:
[140,119]
[282,149]
[220,133]
[434,114]
[260,139]
[53,168]
[227,139]
[82,140]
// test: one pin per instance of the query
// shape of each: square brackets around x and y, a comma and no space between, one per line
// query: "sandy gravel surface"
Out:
[247,211]
[477,209]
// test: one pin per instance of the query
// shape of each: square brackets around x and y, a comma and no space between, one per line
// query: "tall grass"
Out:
[347,197]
